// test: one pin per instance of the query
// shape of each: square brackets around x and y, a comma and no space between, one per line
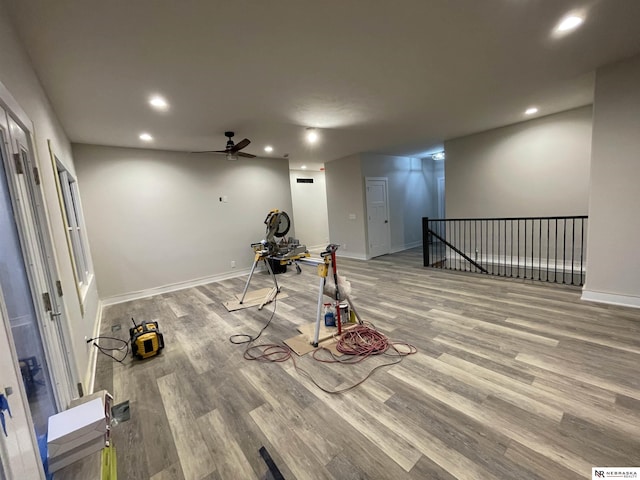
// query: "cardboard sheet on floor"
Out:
[309,330]
[251,299]
[301,344]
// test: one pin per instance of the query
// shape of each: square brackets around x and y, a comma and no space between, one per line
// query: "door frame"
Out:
[35,235]
[385,180]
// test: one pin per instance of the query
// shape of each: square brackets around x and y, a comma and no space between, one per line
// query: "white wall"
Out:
[534,168]
[613,258]
[412,195]
[155,219]
[346,206]
[310,216]
[18,77]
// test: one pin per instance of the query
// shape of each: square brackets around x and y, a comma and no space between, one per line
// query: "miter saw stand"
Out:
[285,253]
[292,252]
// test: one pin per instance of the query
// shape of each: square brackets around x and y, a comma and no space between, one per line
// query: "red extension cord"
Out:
[359,343]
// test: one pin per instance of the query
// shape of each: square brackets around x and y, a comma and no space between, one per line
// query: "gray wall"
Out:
[155,218]
[412,195]
[310,215]
[613,260]
[534,168]
[345,206]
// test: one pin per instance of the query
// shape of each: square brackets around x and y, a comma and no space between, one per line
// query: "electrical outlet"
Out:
[344,246]
[233,264]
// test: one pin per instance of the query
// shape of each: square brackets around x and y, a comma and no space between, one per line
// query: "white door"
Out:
[47,313]
[32,315]
[378,228]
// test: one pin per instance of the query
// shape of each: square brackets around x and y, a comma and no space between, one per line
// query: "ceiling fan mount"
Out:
[232,150]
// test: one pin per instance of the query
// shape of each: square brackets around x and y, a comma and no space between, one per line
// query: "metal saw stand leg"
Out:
[253,268]
[273,275]
[323,270]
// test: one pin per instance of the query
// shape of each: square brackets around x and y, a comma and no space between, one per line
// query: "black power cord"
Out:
[248,339]
[105,350]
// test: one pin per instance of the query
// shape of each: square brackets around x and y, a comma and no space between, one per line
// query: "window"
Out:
[74,222]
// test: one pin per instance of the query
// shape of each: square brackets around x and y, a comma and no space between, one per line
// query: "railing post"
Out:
[425,241]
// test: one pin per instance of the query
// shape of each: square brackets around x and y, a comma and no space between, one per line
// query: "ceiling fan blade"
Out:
[211,151]
[247,155]
[240,145]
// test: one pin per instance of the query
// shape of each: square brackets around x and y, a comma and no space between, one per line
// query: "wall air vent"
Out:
[304,180]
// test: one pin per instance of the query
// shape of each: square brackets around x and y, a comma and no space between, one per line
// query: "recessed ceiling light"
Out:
[146,137]
[312,135]
[531,111]
[158,102]
[303,167]
[268,149]
[569,22]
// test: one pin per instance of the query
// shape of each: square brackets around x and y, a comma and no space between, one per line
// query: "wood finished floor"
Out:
[513,380]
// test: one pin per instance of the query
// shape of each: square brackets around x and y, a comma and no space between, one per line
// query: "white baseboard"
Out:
[611,298]
[126,297]
[353,255]
[93,358]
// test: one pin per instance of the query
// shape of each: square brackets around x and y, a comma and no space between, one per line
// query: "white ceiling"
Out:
[388,76]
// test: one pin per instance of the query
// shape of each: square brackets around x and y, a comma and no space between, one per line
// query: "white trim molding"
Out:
[611,298]
[93,357]
[126,297]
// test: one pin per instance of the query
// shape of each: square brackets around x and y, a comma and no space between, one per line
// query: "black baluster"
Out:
[573,245]
[581,250]
[425,241]
[539,247]
[564,249]
[555,254]
[525,248]
[464,242]
[547,274]
[532,246]
[518,256]
[511,241]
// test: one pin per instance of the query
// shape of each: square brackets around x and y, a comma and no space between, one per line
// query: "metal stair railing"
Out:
[548,249]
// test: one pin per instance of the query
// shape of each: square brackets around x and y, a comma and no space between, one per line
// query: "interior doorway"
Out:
[378,229]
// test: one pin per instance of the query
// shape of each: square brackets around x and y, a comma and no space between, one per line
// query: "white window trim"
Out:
[76,232]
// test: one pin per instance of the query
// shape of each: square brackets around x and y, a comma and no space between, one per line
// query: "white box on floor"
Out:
[73,428]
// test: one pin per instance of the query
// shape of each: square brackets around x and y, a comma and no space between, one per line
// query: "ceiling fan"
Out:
[232,150]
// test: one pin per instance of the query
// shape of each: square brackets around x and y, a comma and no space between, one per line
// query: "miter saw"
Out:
[278,225]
